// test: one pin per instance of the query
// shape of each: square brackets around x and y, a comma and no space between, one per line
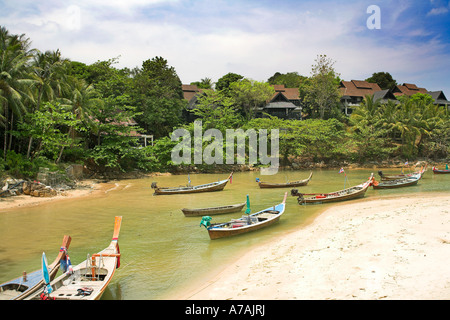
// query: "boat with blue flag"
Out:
[30,283]
[89,279]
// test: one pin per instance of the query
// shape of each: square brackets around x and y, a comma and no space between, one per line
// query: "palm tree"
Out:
[14,58]
[412,124]
[389,117]
[81,98]
[367,114]
[48,74]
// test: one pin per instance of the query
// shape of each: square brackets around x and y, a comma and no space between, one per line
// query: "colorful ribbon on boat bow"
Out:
[206,221]
[118,251]
[65,263]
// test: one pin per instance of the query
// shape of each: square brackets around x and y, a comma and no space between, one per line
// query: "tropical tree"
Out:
[367,114]
[218,111]
[383,79]
[249,95]
[224,82]
[14,59]
[205,83]
[370,130]
[50,126]
[80,99]
[157,93]
[48,73]
[289,79]
[320,91]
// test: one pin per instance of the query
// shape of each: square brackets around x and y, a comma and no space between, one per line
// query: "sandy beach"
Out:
[85,188]
[384,248]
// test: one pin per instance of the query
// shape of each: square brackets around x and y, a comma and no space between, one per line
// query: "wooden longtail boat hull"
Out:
[263,218]
[391,184]
[442,171]
[209,187]
[94,274]
[402,176]
[18,289]
[351,193]
[213,211]
[298,183]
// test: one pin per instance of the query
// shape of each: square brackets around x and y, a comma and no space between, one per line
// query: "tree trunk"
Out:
[38,103]
[60,155]
[6,133]
[29,147]
[12,127]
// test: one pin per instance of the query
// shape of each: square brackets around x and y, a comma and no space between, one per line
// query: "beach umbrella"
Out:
[45,274]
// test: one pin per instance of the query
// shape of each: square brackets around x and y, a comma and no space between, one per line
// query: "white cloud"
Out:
[437,11]
[253,40]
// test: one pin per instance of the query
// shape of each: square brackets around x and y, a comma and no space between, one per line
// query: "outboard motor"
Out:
[154,185]
[380,173]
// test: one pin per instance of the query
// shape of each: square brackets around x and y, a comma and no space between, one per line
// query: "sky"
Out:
[254,38]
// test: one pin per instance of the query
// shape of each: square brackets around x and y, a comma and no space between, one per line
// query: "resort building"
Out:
[384,96]
[407,89]
[353,93]
[285,104]
[439,98]
[410,89]
[191,94]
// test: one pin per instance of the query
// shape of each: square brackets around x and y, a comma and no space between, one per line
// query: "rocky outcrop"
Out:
[36,189]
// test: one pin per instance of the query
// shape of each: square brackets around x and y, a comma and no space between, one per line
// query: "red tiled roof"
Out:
[189,91]
[289,93]
[408,89]
[279,87]
[358,88]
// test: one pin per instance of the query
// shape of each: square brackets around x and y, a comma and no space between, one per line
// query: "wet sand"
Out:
[386,248]
[86,188]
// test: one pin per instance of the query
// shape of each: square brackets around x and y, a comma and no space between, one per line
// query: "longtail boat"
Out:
[29,283]
[90,278]
[354,192]
[213,210]
[441,171]
[391,184]
[285,185]
[208,187]
[401,176]
[248,222]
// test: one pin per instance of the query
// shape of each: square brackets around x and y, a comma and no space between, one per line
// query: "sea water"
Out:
[162,251]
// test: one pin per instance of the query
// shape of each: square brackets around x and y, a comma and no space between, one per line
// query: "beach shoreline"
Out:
[373,249]
[85,188]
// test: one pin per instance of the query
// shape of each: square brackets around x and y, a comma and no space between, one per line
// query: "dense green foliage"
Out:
[54,111]
[383,79]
